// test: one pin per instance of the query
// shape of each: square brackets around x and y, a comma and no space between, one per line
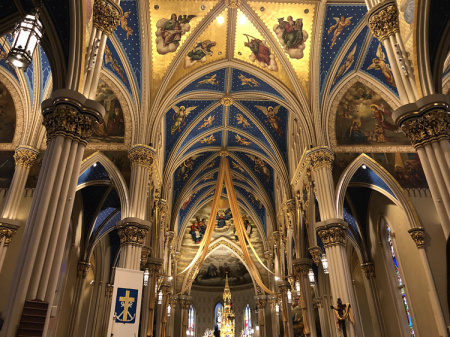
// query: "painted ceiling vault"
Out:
[257,82]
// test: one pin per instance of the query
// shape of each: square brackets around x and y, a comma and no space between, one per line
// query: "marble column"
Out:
[427,124]
[82,270]
[185,303]
[154,267]
[24,157]
[106,17]
[286,309]
[261,306]
[301,270]
[69,119]
[106,309]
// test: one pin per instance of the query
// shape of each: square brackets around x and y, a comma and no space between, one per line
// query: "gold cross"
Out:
[126,299]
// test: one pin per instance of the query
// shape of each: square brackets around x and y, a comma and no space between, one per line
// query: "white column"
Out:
[83,268]
[69,119]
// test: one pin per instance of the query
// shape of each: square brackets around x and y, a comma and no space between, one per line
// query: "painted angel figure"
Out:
[170,31]
[291,35]
[242,141]
[379,63]
[260,166]
[124,24]
[241,120]
[261,53]
[338,27]
[347,64]
[209,80]
[179,117]
[207,122]
[114,64]
[208,140]
[199,53]
[272,118]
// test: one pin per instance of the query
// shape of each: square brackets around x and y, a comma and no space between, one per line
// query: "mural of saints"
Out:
[179,116]
[199,53]
[272,118]
[260,166]
[379,63]
[260,53]
[291,35]
[198,229]
[338,27]
[170,31]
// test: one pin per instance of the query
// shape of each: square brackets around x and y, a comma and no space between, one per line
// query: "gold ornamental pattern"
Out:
[132,235]
[67,121]
[106,15]
[142,155]
[334,235]
[7,234]
[418,235]
[430,127]
[383,21]
[368,269]
[25,156]
[233,3]
[320,158]
[315,254]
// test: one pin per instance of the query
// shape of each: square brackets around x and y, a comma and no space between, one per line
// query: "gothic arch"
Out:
[400,199]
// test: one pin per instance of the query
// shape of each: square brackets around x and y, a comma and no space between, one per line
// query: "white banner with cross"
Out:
[126,303]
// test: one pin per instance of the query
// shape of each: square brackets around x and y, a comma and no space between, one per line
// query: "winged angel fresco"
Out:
[170,31]
[338,27]
[379,63]
[179,117]
[347,64]
[292,36]
[272,117]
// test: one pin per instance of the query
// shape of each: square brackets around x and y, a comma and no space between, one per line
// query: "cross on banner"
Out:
[125,309]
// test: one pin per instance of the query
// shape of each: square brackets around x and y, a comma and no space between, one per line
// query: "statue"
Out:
[343,311]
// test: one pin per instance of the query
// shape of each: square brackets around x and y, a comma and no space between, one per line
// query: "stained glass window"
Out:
[247,321]
[191,322]
[401,286]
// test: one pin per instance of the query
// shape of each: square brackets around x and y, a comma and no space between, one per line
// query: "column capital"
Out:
[315,252]
[185,301]
[142,155]
[8,228]
[418,235]
[70,114]
[132,231]
[368,268]
[260,302]
[109,290]
[302,266]
[382,20]
[106,15]
[425,121]
[154,265]
[333,234]
[320,157]
[25,156]
[144,256]
[83,268]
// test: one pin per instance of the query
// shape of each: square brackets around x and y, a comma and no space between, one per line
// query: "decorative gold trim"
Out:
[25,156]
[418,235]
[320,157]
[334,234]
[233,3]
[132,234]
[383,20]
[368,269]
[106,15]
[7,232]
[109,290]
[142,155]
[226,100]
[144,256]
[315,254]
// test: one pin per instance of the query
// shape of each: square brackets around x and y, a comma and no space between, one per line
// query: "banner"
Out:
[126,303]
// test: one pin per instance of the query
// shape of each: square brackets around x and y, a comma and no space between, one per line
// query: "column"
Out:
[69,119]
[382,20]
[285,309]
[25,157]
[368,270]
[301,270]
[82,270]
[154,268]
[427,124]
[185,303]
[171,318]
[132,232]
[332,231]
[106,16]
[272,300]
[106,309]
[261,306]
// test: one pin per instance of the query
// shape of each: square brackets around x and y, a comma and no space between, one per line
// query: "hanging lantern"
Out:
[289,296]
[311,277]
[160,294]
[297,287]
[277,309]
[325,263]
[169,308]
[27,36]
[146,274]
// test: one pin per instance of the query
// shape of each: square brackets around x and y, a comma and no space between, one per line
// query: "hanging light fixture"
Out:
[277,309]
[325,263]
[169,308]
[146,274]
[311,277]
[160,294]
[27,36]
[297,287]
[289,296]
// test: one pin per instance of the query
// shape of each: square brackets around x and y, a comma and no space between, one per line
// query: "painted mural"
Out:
[260,53]
[201,50]
[380,63]
[364,117]
[404,167]
[7,114]
[342,22]
[170,31]
[220,263]
[112,129]
[292,36]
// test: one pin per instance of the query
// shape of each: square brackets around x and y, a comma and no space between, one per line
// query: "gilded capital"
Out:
[106,15]
[320,157]
[83,268]
[131,234]
[185,303]
[142,155]
[25,156]
[109,290]
[383,20]
[418,235]
[261,303]
[332,234]
[7,233]
[368,269]
[431,124]
[315,254]
[144,256]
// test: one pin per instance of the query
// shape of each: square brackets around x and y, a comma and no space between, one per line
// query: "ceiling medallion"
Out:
[233,3]
[226,100]
[224,153]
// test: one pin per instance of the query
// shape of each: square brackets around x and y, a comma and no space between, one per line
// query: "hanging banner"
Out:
[126,303]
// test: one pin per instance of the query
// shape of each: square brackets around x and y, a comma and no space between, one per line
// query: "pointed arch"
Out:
[400,198]
[114,174]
